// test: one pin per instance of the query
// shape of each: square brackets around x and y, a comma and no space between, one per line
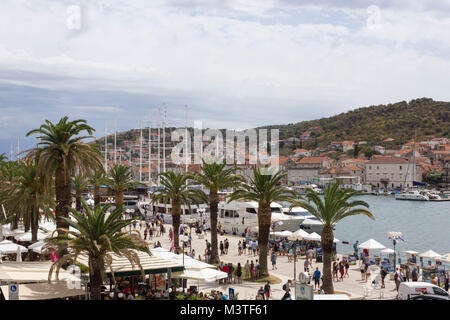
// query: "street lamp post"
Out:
[295,262]
[395,255]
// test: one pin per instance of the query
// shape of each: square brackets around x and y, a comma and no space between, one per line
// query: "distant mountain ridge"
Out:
[371,124]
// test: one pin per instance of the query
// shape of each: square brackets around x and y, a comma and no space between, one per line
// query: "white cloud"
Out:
[236,63]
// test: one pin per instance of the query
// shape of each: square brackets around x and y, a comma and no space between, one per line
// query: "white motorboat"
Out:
[414,195]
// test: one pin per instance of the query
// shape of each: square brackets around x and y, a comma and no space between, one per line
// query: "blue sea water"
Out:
[425,225]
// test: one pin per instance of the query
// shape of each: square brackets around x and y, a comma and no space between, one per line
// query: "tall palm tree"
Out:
[120,178]
[177,193]
[79,184]
[61,152]
[214,176]
[3,157]
[97,179]
[97,235]
[9,172]
[26,195]
[264,187]
[334,207]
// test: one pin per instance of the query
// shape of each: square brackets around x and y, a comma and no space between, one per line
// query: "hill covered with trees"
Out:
[375,123]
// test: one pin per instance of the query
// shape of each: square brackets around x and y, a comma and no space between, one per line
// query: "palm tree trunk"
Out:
[78,201]
[95,278]
[264,220]
[96,195]
[176,217]
[118,195]
[327,246]
[63,185]
[213,209]
[34,223]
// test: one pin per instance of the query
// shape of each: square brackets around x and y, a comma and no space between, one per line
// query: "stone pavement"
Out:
[352,286]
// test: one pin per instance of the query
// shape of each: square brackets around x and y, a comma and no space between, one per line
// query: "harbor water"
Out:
[425,225]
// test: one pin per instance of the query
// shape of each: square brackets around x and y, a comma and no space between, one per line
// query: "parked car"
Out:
[409,290]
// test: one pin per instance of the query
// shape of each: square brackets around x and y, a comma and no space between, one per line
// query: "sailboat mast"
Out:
[140,154]
[106,146]
[164,137]
[414,156]
[159,143]
[187,154]
[150,146]
[115,142]
[18,147]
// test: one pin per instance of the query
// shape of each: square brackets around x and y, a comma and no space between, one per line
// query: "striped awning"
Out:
[122,267]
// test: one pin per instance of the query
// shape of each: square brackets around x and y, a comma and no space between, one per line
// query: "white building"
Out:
[392,172]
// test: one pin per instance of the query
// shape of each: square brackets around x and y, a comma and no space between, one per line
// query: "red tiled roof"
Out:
[353,168]
[388,160]
[312,160]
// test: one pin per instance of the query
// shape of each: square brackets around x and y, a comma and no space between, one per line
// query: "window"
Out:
[439,291]
[250,210]
[400,167]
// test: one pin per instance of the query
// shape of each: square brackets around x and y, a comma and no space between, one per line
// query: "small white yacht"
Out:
[412,195]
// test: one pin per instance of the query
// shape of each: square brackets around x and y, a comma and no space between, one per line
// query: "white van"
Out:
[406,290]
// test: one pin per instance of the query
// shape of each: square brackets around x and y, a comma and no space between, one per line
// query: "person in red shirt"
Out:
[225,269]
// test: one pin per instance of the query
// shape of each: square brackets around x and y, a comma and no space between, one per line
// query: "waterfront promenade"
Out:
[353,286]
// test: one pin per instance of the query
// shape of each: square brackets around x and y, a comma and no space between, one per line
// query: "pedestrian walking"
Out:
[239,273]
[347,266]
[267,290]
[287,290]
[316,276]
[273,258]
[341,270]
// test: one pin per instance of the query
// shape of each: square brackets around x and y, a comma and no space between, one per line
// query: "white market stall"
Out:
[371,245]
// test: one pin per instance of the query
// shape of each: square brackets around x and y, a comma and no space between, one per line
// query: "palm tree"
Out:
[333,208]
[9,171]
[26,195]
[120,178]
[97,179]
[61,152]
[264,187]
[3,157]
[177,193]
[97,236]
[215,177]
[79,184]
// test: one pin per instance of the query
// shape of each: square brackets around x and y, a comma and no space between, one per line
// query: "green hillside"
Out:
[376,123]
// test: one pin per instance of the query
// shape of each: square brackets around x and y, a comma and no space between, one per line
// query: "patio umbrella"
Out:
[371,244]
[7,247]
[27,236]
[336,240]
[444,258]
[410,252]
[285,233]
[38,247]
[430,254]
[387,251]
[300,234]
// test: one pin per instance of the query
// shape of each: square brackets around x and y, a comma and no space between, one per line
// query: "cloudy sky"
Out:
[235,63]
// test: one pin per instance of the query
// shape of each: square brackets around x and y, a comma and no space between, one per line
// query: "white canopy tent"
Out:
[9,247]
[430,254]
[208,275]
[313,237]
[387,251]
[371,244]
